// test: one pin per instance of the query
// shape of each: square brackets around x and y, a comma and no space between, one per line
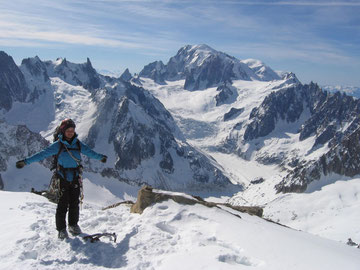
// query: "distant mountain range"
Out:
[169,125]
[349,90]
[132,127]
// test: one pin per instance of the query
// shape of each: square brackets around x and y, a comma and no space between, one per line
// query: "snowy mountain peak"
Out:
[156,71]
[60,61]
[75,74]
[35,67]
[197,53]
[88,62]
[192,56]
[201,47]
[264,72]
[290,76]
[126,75]
[31,60]
[202,67]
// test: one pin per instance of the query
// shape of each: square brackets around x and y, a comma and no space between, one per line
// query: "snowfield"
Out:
[330,211]
[166,236]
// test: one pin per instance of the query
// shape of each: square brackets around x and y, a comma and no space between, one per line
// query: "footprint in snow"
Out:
[237,259]
[166,227]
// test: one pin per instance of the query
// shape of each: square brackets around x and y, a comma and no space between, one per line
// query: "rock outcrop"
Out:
[147,197]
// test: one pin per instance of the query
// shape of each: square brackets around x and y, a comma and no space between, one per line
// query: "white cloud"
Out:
[20,32]
[312,53]
[293,3]
[95,24]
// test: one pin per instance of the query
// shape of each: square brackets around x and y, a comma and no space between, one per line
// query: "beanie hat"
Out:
[65,124]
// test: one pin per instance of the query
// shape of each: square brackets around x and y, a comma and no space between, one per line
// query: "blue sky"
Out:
[317,40]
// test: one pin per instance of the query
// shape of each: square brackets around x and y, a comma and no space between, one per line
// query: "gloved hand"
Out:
[103,160]
[20,164]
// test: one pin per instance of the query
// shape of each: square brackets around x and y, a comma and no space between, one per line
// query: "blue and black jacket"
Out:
[68,165]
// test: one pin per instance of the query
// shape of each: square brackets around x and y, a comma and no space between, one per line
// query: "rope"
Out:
[117,204]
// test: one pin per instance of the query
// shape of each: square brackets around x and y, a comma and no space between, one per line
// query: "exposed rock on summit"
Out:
[147,196]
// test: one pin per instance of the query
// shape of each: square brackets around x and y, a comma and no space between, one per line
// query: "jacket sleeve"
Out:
[47,152]
[90,153]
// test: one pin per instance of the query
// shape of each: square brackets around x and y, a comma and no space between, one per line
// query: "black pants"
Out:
[69,200]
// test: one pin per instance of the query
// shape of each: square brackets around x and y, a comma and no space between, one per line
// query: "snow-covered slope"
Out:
[329,211]
[165,236]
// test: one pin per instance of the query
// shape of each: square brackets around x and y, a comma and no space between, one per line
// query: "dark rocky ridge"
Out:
[12,82]
[126,76]
[334,120]
[342,159]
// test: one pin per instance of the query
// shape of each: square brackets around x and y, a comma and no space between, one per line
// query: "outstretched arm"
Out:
[91,153]
[47,152]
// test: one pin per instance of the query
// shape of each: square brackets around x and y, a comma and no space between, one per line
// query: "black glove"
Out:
[103,160]
[20,164]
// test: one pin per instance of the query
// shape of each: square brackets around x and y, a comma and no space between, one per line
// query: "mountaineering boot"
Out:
[74,230]
[63,234]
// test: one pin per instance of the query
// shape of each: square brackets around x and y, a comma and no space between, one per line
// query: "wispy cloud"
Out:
[96,25]
[21,32]
[273,52]
[318,3]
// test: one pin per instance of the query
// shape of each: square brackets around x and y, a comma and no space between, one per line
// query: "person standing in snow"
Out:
[67,149]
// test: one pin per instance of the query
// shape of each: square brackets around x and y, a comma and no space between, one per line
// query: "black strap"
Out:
[55,160]
[61,147]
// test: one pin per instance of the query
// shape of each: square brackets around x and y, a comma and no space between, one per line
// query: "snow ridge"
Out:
[166,235]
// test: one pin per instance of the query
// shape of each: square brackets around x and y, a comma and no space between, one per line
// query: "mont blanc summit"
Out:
[202,67]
